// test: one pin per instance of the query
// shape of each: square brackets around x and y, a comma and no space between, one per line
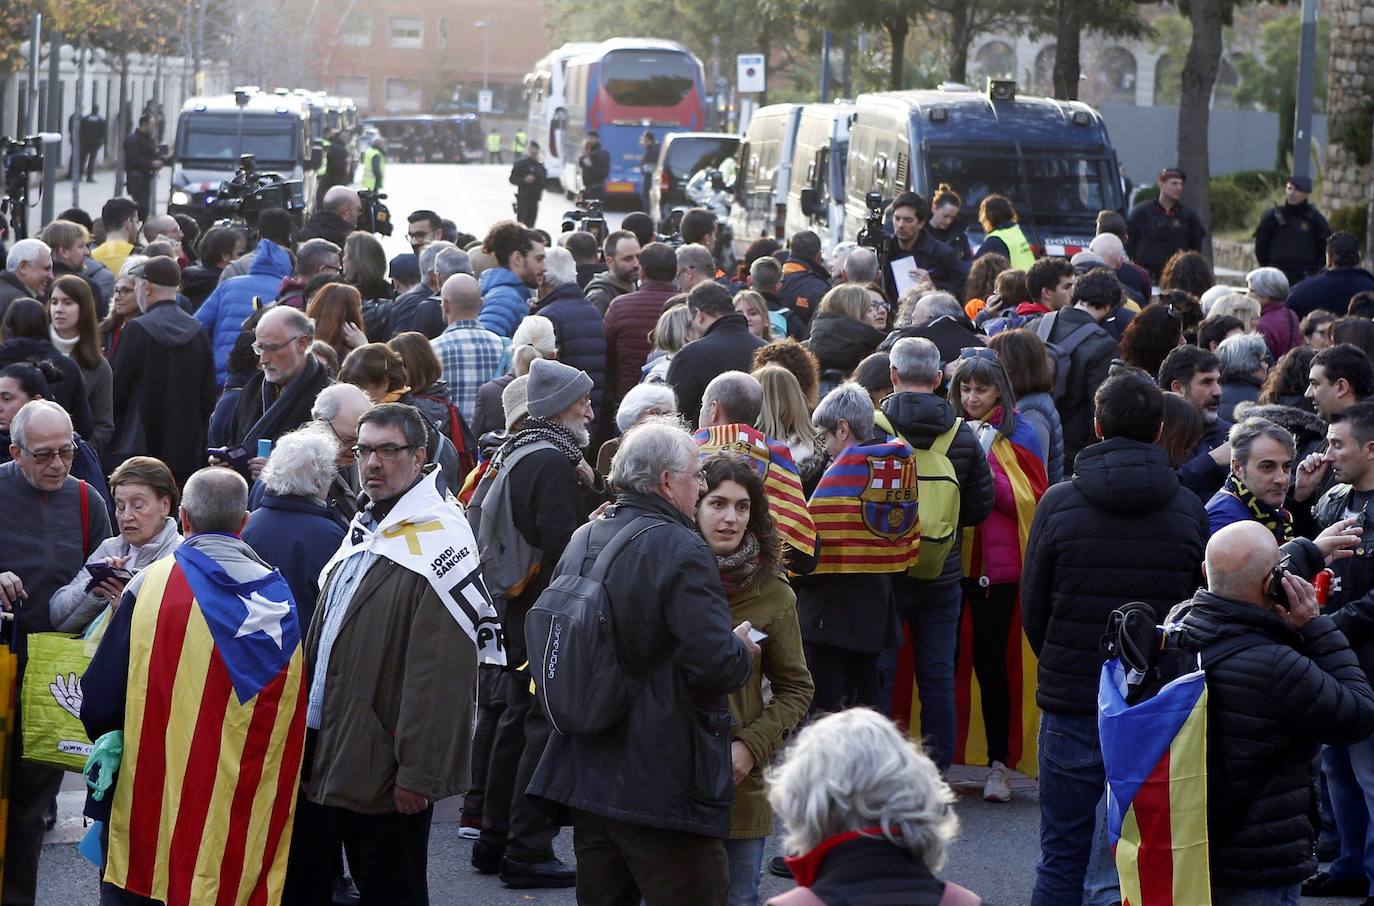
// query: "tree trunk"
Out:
[1067,64]
[1288,112]
[959,39]
[123,128]
[79,112]
[847,69]
[1194,109]
[896,32]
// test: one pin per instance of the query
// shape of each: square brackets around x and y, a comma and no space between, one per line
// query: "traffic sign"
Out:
[484,102]
[751,74]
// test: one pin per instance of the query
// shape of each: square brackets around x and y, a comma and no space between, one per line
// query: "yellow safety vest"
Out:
[1021,255]
[494,142]
[521,139]
[372,180]
[324,159]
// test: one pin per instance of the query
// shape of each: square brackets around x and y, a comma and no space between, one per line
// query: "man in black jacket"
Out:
[528,176]
[1123,529]
[649,798]
[1195,375]
[804,277]
[336,218]
[1269,708]
[931,607]
[141,163]
[1158,228]
[911,249]
[1078,330]
[1332,288]
[1292,236]
[595,164]
[724,344]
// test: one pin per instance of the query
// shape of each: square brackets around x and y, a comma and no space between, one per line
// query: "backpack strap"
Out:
[942,443]
[623,536]
[1076,339]
[1045,326]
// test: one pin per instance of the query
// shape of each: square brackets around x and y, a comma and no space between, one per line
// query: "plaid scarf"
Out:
[536,430]
[740,570]
[1279,521]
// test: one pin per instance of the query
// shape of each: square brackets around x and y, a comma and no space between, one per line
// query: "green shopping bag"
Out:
[50,699]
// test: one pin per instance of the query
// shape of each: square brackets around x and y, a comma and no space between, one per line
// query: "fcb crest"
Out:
[889,497]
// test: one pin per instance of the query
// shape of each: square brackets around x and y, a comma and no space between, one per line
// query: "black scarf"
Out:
[535,431]
[258,417]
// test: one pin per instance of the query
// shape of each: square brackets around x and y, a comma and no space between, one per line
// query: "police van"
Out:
[820,157]
[765,173]
[1052,158]
[214,132]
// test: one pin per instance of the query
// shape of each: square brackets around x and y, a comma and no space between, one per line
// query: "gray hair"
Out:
[765,272]
[26,251]
[293,319]
[861,265]
[129,264]
[1245,432]
[451,261]
[935,305]
[1244,353]
[739,395]
[20,423]
[215,500]
[854,770]
[639,399]
[1267,283]
[430,253]
[302,463]
[696,256]
[310,256]
[559,267]
[649,449]
[915,359]
[330,401]
[851,403]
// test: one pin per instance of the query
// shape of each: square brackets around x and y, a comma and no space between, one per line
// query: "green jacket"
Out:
[771,607]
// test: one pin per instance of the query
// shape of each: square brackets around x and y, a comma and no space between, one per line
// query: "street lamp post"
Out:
[485,25]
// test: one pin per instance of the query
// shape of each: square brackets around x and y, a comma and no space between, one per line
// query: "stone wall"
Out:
[1351,83]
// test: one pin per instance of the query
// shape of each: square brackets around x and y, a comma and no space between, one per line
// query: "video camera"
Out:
[20,158]
[589,217]
[374,217]
[873,235]
[253,191]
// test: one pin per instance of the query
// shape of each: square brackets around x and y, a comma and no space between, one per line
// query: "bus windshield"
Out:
[648,78]
[1050,184]
[219,138]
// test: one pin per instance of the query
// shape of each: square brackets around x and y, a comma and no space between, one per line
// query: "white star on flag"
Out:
[264,615]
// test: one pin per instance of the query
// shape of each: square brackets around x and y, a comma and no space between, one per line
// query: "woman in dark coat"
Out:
[842,334]
[26,339]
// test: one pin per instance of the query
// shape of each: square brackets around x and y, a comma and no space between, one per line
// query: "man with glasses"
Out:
[339,407]
[542,473]
[45,543]
[164,376]
[422,228]
[279,397]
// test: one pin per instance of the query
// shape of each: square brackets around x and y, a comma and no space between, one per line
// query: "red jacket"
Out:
[629,321]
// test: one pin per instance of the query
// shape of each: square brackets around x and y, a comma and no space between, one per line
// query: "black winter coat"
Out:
[858,870]
[70,392]
[1153,234]
[920,418]
[326,225]
[1089,365]
[1292,238]
[667,763]
[1269,710]
[1351,601]
[946,270]
[1122,529]
[804,284]
[1331,290]
[727,345]
[580,334]
[840,342]
[11,288]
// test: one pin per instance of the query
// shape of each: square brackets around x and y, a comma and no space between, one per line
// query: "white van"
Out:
[815,194]
[765,173]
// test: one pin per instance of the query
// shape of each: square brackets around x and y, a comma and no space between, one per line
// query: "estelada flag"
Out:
[1155,756]
[865,510]
[781,480]
[213,736]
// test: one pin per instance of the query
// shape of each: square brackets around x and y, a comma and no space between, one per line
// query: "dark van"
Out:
[681,155]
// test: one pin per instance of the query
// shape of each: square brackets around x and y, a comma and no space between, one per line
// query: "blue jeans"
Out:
[1102,886]
[932,615]
[1257,896]
[1071,786]
[1349,773]
[746,861]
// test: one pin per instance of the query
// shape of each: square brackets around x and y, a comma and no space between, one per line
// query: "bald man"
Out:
[1281,681]
[471,354]
[163,226]
[336,218]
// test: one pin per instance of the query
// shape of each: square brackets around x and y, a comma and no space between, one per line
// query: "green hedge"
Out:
[1232,206]
[1256,182]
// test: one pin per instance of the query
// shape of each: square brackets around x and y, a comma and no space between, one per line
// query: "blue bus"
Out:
[622,88]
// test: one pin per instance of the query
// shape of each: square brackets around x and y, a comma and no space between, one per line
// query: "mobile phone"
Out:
[756,636]
[102,571]
[235,457]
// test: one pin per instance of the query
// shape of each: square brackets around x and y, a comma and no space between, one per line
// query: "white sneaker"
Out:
[997,788]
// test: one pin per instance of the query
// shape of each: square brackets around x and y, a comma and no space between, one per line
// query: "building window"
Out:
[407,31]
[403,95]
[355,87]
[356,30]
[994,60]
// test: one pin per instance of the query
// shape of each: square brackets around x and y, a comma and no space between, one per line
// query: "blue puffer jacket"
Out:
[505,301]
[580,334]
[231,303]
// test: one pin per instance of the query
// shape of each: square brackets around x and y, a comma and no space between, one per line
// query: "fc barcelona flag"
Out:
[865,509]
[781,480]
[1155,756]
[213,737]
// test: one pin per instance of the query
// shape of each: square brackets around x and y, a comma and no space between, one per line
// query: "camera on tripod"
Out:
[19,159]
[253,191]
[589,217]
[374,217]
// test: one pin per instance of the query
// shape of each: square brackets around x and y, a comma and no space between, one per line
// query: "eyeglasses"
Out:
[266,348]
[385,452]
[43,457]
[420,237]
[979,352]
[699,475]
[123,290]
[345,442]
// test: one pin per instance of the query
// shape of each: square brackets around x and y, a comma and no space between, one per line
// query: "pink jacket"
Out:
[996,538]
[1279,325]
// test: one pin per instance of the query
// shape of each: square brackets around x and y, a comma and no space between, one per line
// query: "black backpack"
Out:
[570,637]
[1152,657]
[1061,353]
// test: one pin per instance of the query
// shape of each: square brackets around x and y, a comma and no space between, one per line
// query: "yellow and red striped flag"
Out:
[213,738]
[781,480]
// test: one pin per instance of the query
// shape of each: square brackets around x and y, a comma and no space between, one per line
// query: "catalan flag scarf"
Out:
[865,510]
[781,480]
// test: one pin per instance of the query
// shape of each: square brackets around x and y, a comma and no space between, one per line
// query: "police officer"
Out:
[519,142]
[648,164]
[595,164]
[334,169]
[1292,236]
[528,176]
[374,165]
[1158,228]
[141,163]
[494,147]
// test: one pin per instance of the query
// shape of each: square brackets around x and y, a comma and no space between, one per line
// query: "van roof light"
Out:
[937,114]
[1001,89]
[1081,118]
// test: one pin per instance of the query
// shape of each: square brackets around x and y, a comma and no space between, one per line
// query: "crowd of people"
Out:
[313,509]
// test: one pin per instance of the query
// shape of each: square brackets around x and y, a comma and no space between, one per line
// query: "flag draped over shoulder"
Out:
[865,510]
[1155,757]
[781,480]
[213,737]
